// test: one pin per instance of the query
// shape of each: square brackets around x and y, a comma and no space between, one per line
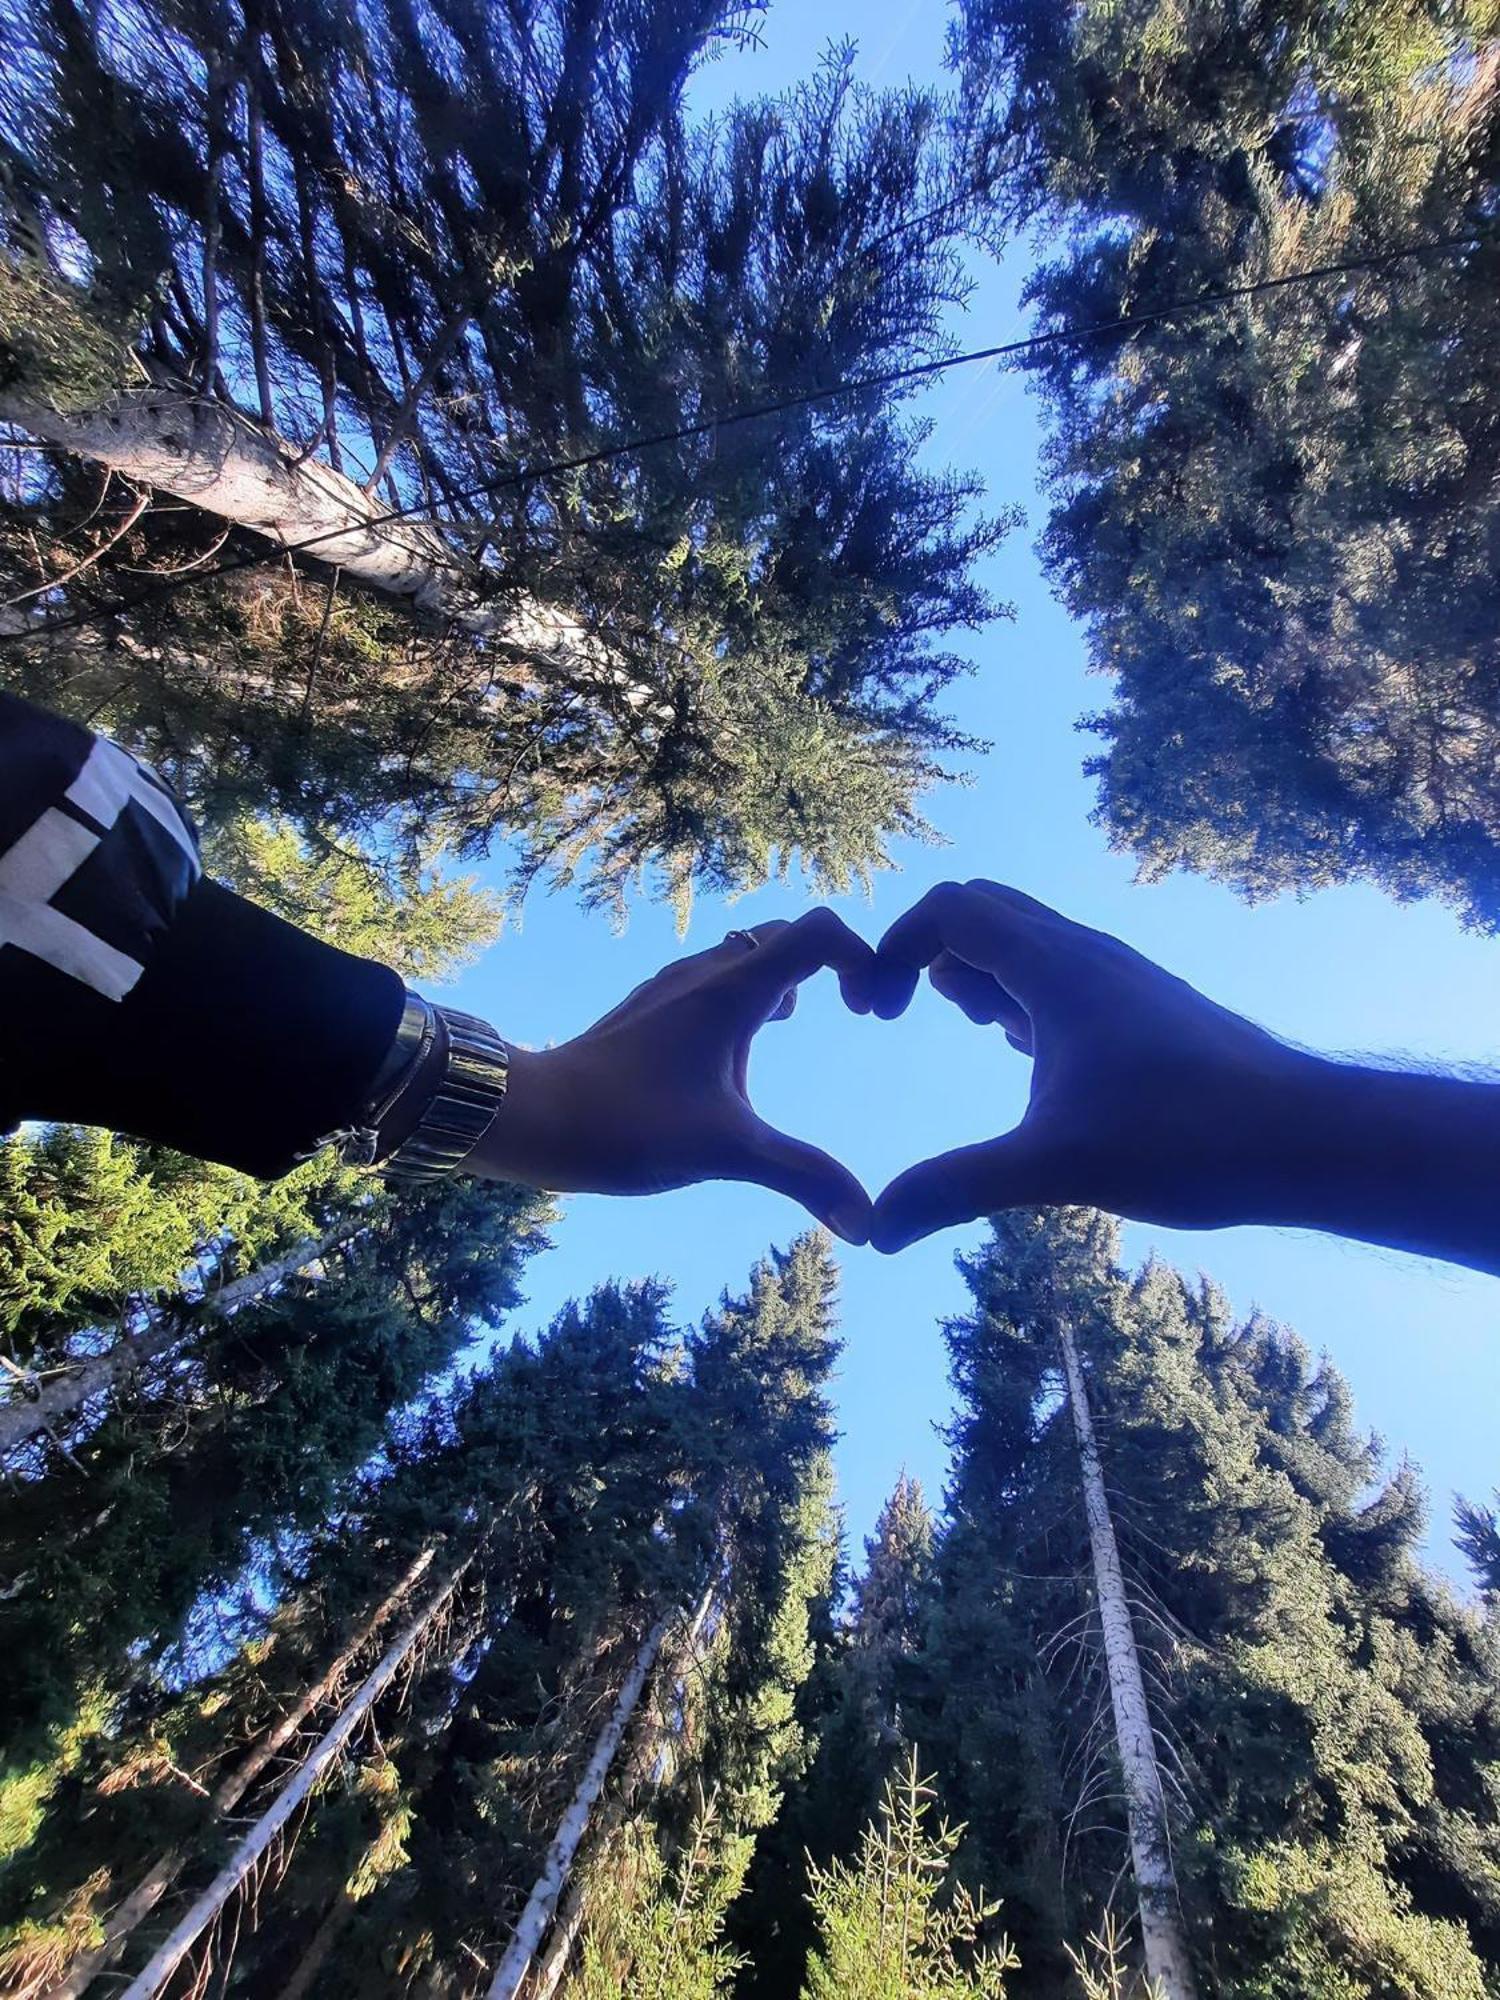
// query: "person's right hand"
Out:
[1146,1098]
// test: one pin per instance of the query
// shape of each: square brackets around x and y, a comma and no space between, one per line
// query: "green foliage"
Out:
[1277,519]
[1479,1538]
[185,1510]
[423,923]
[887,1931]
[658,1931]
[470,239]
[1329,1717]
[93,1228]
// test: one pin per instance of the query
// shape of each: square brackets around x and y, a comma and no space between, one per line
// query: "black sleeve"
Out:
[137,995]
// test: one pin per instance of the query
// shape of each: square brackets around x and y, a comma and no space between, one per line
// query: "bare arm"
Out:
[1152,1101]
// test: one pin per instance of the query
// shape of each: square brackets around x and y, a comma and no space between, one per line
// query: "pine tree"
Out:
[429,245]
[850,1709]
[1323,1714]
[98,1234]
[652,1537]
[1277,518]
[180,1517]
[884,1934]
[710,1770]
[1479,1538]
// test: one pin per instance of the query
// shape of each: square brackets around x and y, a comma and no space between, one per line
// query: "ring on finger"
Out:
[747,938]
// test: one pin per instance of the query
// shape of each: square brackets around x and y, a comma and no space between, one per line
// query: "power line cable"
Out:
[801,399]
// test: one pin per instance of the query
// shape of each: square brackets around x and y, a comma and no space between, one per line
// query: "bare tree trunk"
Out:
[175,1948]
[573,1825]
[319,1947]
[133,1910]
[1165,1946]
[207,453]
[640,1770]
[165,1330]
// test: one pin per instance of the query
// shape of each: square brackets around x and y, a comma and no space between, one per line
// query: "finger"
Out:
[958,1187]
[978,994]
[988,932]
[823,1185]
[788,953]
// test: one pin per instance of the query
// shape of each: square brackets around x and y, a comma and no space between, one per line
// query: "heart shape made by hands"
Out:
[1136,1078]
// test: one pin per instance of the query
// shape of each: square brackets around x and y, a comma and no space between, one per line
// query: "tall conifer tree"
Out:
[1278,517]
[1309,1687]
[428,246]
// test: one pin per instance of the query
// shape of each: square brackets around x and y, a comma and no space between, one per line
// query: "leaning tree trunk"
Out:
[1165,1946]
[163,1331]
[643,1767]
[249,1851]
[203,450]
[573,1825]
[319,1948]
[134,1908]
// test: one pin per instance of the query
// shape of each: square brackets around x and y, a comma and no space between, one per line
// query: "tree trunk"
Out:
[553,1879]
[1165,1946]
[158,1879]
[319,1946]
[208,453]
[175,1948]
[640,1769]
[163,1331]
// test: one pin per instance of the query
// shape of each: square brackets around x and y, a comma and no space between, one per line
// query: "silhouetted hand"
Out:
[1153,1102]
[653,1096]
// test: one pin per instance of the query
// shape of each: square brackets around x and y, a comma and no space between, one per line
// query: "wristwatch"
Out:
[460,1106]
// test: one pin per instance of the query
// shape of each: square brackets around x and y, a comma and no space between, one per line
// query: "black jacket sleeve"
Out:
[138,995]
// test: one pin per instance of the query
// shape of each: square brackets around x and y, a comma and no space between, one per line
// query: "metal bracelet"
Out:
[463,1106]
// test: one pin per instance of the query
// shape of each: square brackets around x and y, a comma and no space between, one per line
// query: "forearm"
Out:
[244,1042]
[1407,1160]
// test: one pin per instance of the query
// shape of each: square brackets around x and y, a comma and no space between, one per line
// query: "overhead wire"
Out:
[1122,323]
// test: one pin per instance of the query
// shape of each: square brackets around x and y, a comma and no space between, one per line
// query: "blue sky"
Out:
[1344,970]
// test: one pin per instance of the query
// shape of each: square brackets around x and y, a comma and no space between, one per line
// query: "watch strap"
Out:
[476,1071]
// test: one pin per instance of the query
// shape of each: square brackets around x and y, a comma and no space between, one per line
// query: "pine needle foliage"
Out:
[1277,519]
[891,1925]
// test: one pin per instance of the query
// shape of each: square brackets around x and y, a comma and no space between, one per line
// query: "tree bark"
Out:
[550,1884]
[158,1879]
[1162,1937]
[175,1948]
[320,1945]
[639,1770]
[164,1330]
[206,452]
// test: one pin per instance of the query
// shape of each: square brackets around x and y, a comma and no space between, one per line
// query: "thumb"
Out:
[823,1185]
[957,1187]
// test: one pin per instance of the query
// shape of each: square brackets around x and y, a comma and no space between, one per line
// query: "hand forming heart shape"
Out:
[1137,1077]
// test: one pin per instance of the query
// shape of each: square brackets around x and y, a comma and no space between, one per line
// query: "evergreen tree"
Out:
[709,1773]
[179,1517]
[649,1538]
[97,1233]
[851,1713]
[884,1933]
[1479,1538]
[429,245]
[1323,1714]
[1277,518]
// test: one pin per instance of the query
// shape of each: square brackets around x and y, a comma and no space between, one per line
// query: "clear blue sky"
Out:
[1344,970]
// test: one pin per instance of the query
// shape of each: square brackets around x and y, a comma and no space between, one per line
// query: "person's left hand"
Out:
[654,1095]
